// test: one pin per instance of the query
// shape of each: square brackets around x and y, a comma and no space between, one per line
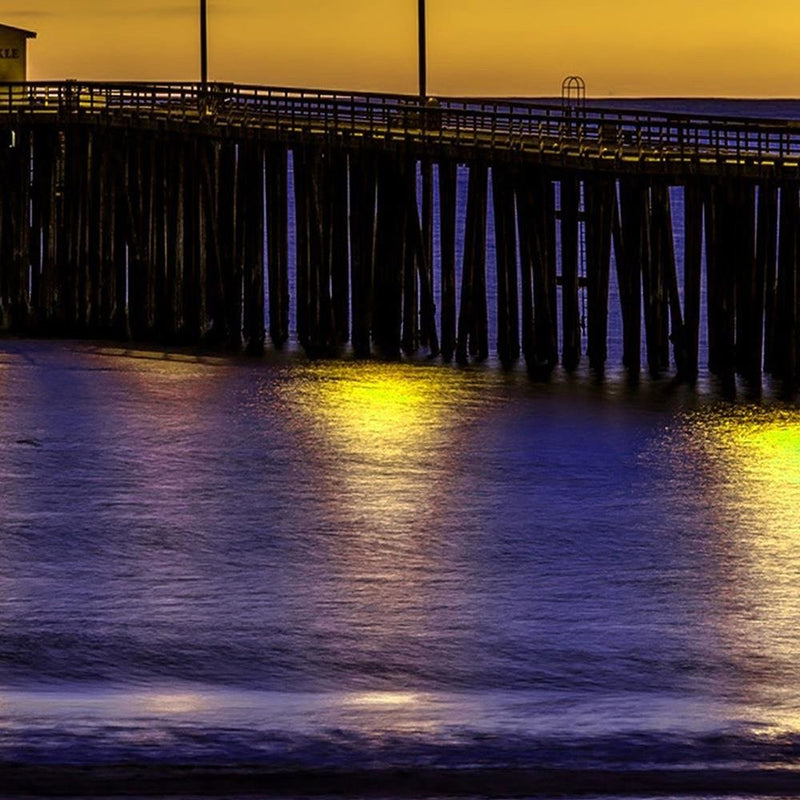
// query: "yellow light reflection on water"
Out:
[383,442]
[381,412]
[745,463]
[384,434]
[754,455]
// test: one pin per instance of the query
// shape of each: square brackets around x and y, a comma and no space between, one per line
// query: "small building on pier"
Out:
[14,53]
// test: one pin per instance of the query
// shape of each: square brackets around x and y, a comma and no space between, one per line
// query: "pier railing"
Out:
[488,124]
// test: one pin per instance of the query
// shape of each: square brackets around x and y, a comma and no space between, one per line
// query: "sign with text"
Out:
[12,57]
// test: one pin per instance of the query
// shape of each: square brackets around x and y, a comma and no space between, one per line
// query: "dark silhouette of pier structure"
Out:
[160,212]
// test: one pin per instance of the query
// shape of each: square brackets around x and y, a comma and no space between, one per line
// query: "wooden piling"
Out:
[131,226]
[16,244]
[545,322]
[766,264]
[600,195]
[139,191]
[66,271]
[230,243]
[174,240]
[21,215]
[277,244]
[160,239]
[389,258]
[101,238]
[39,181]
[5,238]
[418,248]
[362,192]
[448,186]
[479,340]
[627,236]
[122,243]
[505,238]
[472,320]
[252,203]
[536,214]
[11,202]
[302,244]
[196,225]
[408,245]
[713,269]
[19,240]
[193,297]
[785,345]
[214,329]
[340,255]
[51,167]
[750,278]
[105,290]
[692,260]
[676,332]
[425,260]
[653,289]
[527,255]
[721,276]
[570,309]
[321,334]
[111,238]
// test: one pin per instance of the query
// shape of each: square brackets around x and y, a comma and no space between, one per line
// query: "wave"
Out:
[152,742]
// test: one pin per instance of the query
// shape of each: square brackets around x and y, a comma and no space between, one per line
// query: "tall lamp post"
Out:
[423,66]
[204,42]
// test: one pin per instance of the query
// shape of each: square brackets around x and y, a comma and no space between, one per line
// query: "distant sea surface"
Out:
[340,568]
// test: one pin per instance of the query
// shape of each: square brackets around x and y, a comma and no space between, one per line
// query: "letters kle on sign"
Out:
[9,52]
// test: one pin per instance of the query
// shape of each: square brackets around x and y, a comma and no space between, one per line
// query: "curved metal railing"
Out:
[490,124]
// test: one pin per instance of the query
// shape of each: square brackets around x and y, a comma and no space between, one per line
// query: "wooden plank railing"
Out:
[490,124]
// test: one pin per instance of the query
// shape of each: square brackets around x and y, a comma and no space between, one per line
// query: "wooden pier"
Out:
[161,212]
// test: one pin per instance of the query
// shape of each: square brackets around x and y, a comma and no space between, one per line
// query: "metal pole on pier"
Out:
[203,42]
[423,68]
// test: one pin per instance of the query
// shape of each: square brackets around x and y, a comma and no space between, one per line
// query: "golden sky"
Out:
[493,47]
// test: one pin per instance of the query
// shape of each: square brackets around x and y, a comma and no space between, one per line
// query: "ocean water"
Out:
[349,573]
